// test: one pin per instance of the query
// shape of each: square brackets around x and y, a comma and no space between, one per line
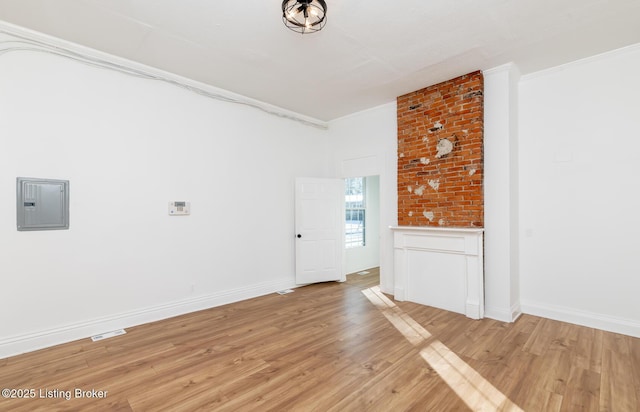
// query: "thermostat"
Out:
[179,208]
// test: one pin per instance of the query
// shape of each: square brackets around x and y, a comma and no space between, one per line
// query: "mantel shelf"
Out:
[438,229]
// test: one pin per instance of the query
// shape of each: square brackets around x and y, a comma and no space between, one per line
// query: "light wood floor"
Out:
[327,347]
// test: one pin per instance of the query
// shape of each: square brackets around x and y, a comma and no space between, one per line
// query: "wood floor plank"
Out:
[587,351]
[327,347]
[634,345]
[510,368]
[617,388]
[542,337]
[582,391]
[384,391]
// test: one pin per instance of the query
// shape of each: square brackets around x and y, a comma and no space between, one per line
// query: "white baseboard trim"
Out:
[398,294]
[16,345]
[614,324]
[503,315]
[516,311]
[472,310]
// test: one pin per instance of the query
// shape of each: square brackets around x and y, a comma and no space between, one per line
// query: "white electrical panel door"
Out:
[42,204]
[179,208]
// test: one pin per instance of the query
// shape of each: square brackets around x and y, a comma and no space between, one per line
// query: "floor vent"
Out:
[108,335]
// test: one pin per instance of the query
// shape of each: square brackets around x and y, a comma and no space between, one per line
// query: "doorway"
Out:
[362,222]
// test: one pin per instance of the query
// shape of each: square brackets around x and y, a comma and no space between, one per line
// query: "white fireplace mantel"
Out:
[440,267]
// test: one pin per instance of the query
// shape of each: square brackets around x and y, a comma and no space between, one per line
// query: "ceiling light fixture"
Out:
[304,16]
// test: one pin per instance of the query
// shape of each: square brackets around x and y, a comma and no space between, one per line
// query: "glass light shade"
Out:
[304,16]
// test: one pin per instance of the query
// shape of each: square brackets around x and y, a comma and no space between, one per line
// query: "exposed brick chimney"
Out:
[440,158]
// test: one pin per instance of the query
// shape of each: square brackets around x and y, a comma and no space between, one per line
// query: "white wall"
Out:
[129,146]
[365,144]
[579,159]
[367,256]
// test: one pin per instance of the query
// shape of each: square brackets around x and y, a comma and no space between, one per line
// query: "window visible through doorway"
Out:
[354,199]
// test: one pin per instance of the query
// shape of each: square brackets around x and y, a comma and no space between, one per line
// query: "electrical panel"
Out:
[177,208]
[42,204]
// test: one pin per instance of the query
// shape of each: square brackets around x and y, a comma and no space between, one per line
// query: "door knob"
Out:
[299,235]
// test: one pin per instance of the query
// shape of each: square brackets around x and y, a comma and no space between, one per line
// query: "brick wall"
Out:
[440,159]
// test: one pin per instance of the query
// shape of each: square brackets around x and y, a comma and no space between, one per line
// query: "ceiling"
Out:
[369,52]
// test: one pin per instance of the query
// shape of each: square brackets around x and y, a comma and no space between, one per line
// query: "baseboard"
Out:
[398,294]
[503,315]
[497,314]
[516,311]
[473,311]
[16,345]
[614,324]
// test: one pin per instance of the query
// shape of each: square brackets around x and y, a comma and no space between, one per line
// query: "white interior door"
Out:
[319,230]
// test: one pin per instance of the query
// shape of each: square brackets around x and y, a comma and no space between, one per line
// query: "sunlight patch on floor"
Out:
[478,393]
